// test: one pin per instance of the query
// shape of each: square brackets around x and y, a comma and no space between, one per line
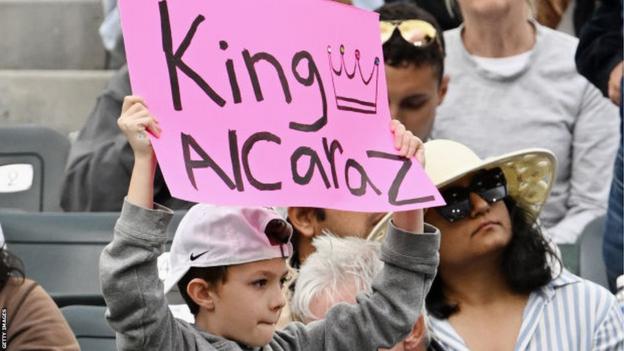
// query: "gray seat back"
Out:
[90,327]
[61,251]
[43,152]
[592,265]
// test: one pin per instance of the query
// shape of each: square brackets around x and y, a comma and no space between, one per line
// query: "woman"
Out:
[514,84]
[499,285]
[30,319]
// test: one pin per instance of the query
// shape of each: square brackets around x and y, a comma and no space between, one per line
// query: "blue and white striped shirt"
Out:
[569,313]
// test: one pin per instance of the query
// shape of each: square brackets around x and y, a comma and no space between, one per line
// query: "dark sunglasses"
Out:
[490,185]
[279,232]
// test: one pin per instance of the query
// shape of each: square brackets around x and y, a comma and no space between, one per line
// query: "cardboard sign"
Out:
[270,102]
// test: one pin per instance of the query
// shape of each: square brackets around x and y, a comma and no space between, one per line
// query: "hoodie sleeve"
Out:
[384,317]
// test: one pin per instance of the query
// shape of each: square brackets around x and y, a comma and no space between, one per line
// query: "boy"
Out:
[237,297]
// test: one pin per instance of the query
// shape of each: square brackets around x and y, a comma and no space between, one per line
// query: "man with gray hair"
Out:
[339,270]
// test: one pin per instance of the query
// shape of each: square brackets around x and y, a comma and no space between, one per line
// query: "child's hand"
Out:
[407,143]
[134,122]
[408,146]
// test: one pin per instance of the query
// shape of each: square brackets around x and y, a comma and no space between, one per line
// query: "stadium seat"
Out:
[32,166]
[592,265]
[90,327]
[570,255]
[61,250]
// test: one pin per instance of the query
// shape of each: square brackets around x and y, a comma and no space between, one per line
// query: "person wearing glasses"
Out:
[499,284]
[230,262]
[515,85]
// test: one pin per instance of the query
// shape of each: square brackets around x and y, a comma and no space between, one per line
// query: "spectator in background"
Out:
[446,12]
[33,322]
[515,86]
[339,271]
[550,12]
[100,160]
[110,32]
[99,163]
[498,276]
[599,58]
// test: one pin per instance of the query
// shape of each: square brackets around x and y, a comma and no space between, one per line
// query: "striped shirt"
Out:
[569,313]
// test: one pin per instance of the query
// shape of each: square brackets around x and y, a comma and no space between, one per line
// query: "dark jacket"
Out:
[101,160]
[600,46]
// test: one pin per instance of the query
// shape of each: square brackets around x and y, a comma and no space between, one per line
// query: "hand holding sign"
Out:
[283,106]
[134,122]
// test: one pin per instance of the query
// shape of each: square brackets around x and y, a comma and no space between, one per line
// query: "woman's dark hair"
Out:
[400,53]
[10,267]
[525,261]
[212,275]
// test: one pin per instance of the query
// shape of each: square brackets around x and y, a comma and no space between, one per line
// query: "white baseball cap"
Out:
[210,236]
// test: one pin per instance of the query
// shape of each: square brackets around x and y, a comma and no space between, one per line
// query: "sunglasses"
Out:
[408,29]
[490,185]
[279,232]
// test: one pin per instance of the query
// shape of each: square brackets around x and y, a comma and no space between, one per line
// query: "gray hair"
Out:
[336,262]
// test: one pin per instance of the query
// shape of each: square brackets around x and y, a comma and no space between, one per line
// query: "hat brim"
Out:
[530,174]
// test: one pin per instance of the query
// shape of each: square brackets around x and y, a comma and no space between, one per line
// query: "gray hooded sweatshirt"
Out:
[138,310]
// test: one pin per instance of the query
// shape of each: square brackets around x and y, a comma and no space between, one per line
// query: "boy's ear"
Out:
[202,293]
[443,88]
[304,220]
[416,338]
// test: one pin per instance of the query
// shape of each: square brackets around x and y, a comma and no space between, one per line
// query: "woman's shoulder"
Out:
[17,288]
[581,293]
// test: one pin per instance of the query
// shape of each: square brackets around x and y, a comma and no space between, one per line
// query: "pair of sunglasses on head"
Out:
[490,185]
[416,32]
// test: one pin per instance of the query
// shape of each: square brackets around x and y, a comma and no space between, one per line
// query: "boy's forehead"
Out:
[274,266]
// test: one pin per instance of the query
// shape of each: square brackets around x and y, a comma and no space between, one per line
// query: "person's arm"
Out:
[600,45]
[136,305]
[386,316]
[594,144]
[36,323]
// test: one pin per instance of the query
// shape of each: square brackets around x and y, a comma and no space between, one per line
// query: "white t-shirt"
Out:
[504,66]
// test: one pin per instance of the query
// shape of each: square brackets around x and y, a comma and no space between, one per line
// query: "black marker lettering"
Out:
[330,154]
[206,162]
[233,141]
[229,66]
[314,162]
[364,179]
[250,62]
[313,75]
[175,62]
[393,193]
[249,144]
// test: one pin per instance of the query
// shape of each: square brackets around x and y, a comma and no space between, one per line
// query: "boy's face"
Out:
[248,304]
[414,93]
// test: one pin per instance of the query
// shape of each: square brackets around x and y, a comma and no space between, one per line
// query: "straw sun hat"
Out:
[530,173]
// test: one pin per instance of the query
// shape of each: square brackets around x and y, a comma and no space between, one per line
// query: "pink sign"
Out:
[270,102]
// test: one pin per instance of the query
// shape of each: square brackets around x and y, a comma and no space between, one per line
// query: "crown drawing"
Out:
[355,90]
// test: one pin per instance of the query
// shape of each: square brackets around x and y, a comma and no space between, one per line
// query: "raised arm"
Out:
[137,308]
[386,316]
